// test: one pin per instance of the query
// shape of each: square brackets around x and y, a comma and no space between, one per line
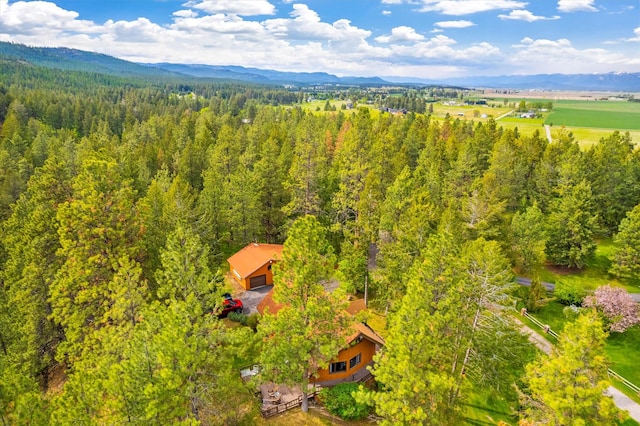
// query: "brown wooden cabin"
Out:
[360,347]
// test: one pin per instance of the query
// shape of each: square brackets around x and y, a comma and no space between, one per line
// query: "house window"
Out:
[338,367]
[355,361]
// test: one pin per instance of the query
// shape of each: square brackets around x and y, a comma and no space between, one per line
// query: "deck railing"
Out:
[280,408]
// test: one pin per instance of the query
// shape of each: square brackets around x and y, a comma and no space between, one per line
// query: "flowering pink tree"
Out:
[616,305]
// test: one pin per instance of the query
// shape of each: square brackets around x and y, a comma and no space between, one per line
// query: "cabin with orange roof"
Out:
[251,266]
[361,344]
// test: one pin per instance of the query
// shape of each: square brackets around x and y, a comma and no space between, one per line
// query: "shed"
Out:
[251,266]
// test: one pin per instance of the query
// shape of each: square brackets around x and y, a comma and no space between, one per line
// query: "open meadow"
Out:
[588,120]
[615,115]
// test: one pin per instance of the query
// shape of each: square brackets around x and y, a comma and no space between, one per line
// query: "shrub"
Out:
[569,293]
[253,320]
[535,295]
[620,311]
[339,401]
[238,317]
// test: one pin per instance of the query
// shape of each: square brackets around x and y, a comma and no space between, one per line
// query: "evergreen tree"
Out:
[307,172]
[528,238]
[99,226]
[440,334]
[308,331]
[30,237]
[571,227]
[625,262]
[415,373]
[568,386]
[535,293]
[614,188]
[185,275]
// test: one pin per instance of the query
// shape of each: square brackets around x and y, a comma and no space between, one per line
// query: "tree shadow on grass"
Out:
[499,414]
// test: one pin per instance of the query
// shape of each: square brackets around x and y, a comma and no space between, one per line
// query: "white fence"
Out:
[612,373]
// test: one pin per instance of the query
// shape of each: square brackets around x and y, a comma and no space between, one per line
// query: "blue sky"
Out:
[401,38]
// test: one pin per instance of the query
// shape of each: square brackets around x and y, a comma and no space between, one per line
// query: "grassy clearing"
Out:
[591,136]
[622,349]
[593,276]
[483,408]
[469,112]
[596,114]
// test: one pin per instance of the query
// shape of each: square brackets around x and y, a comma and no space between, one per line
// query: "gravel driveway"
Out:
[250,299]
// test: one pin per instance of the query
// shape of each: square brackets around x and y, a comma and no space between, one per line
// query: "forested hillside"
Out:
[120,201]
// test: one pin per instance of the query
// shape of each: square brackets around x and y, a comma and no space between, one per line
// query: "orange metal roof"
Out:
[367,332]
[357,328]
[268,303]
[252,257]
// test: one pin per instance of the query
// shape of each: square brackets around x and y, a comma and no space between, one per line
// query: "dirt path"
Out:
[505,114]
[547,130]
[621,400]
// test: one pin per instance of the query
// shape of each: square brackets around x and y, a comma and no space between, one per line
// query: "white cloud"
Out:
[440,50]
[386,12]
[236,7]
[306,25]
[533,56]
[637,35]
[302,41]
[188,13]
[467,7]
[454,24]
[139,31]
[40,17]
[400,34]
[525,15]
[576,6]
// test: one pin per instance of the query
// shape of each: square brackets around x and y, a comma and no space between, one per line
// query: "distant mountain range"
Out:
[610,82]
[78,60]
[267,76]
[75,60]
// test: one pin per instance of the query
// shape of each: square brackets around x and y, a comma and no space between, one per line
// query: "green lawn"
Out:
[483,408]
[591,277]
[597,114]
[622,349]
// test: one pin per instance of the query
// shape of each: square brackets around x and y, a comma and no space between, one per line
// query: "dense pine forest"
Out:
[120,200]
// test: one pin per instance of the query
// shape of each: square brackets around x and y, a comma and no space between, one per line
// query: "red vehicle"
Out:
[230,305]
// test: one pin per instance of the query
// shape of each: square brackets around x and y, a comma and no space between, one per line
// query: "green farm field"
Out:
[614,115]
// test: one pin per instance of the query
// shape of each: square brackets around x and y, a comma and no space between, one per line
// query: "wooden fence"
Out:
[634,388]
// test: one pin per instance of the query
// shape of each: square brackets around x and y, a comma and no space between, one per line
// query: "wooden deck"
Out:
[277,399]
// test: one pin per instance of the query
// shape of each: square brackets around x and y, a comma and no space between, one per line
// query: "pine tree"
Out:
[568,386]
[625,262]
[571,227]
[308,332]
[535,294]
[99,226]
[31,240]
[442,331]
[414,371]
[528,238]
